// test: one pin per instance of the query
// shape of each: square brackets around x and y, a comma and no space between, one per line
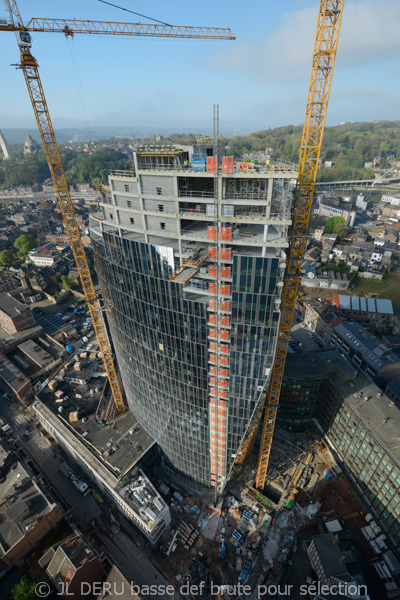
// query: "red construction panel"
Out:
[213,381]
[226,272]
[213,333]
[212,271]
[213,370]
[212,288]
[212,304]
[224,361]
[223,384]
[227,164]
[212,252]
[226,254]
[225,306]
[213,358]
[224,348]
[224,404]
[225,290]
[212,391]
[226,233]
[224,372]
[212,320]
[225,336]
[223,394]
[212,233]
[224,321]
[211,164]
[213,347]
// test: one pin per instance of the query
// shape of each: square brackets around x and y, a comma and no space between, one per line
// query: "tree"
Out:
[24,590]
[6,258]
[68,282]
[25,243]
[330,224]
[340,229]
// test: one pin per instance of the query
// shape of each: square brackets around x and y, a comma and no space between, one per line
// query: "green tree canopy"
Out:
[25,243]
[332,222]
[24,590]
[68,282]
[340,229]
[6,258]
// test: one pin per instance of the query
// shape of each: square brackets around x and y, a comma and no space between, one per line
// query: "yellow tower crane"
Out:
[328,27]
[30,69]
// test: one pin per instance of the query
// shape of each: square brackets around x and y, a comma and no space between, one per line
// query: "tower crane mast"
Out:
[325,47]
[30,69]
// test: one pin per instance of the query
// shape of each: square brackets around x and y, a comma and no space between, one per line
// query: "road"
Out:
[120,548]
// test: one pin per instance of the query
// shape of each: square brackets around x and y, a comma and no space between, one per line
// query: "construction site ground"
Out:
[271,546]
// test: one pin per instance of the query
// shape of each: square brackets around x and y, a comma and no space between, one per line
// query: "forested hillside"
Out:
[349,146]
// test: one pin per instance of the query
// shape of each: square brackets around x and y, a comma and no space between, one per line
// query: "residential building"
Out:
[327,210]
[117,587]
[194,283]
[321,318]
[42,259]
[14,316]
[74,564]
[27,511]
[391,199]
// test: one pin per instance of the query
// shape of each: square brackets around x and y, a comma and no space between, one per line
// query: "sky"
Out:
[260,80]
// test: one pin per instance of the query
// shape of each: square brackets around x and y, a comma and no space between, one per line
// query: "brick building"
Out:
[27,513]
[14,316]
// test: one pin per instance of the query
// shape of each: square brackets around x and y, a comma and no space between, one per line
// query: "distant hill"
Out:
[348,146]
[18,136]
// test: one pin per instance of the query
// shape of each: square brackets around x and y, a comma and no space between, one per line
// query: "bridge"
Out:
[358,183]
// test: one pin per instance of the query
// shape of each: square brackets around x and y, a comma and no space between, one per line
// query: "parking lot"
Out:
[303,339]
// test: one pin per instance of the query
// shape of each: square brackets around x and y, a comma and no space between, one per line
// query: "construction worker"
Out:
[186,164]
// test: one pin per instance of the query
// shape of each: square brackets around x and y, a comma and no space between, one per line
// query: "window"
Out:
[111,216]
[129,203]
[159,191]
[161,207]
[162,225]
[126,186]
[132,220]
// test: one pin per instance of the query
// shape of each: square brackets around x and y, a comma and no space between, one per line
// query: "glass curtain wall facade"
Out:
[194,291]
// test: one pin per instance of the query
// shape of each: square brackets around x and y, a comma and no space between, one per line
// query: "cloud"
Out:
[369,34]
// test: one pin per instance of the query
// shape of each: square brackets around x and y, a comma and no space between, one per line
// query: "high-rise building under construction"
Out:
[191,259]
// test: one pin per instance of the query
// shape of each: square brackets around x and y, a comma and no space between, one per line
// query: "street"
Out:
[121,549]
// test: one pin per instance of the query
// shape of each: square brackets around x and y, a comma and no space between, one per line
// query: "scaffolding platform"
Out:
[195,257]
[183,275]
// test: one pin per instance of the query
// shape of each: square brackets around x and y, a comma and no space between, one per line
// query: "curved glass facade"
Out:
[161,343]
[160,339]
